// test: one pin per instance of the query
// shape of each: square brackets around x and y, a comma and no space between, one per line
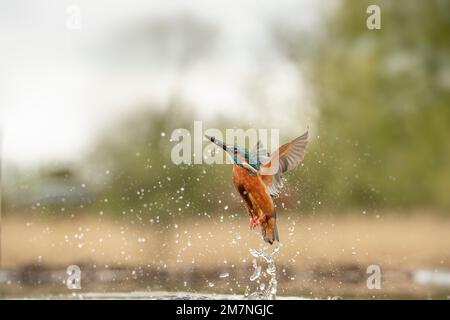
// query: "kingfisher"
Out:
[257,177]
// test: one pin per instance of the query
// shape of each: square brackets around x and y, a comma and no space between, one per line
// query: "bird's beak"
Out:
[229,150]
[219,143]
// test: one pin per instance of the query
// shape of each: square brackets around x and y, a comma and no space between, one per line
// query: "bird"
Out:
[257,177]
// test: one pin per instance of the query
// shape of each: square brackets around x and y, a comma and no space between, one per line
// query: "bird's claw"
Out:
[257,221]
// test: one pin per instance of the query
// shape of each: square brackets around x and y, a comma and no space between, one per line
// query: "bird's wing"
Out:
[289,156]
[258,155]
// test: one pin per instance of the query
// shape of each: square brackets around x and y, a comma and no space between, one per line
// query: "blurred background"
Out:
[92,90]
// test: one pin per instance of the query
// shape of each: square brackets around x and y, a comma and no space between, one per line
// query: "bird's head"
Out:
[239,155]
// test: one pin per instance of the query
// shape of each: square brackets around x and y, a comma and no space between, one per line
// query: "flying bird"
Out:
[257,176]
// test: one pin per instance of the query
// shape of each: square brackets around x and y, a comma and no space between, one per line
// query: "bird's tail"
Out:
[275,231]
[270,230]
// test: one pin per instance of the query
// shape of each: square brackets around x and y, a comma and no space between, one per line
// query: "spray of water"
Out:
[264,274]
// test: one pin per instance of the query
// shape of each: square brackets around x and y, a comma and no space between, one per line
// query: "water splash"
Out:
[263,290]
[257,271]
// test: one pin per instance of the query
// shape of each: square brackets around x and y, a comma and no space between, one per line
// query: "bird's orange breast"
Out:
[253,191]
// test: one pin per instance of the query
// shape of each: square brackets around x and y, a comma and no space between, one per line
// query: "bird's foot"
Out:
[252,223]
[257,221]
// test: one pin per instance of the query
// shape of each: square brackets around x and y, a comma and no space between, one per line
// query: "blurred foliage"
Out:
[381,140]
[384,104]
[133,166]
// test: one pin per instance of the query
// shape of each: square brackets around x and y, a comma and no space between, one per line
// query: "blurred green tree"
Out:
[135,174]
[384,106]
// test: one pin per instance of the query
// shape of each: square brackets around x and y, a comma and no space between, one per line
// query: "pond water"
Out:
[259,282]
[156,295]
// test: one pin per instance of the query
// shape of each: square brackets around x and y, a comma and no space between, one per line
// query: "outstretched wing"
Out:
[258,155]
[289,156]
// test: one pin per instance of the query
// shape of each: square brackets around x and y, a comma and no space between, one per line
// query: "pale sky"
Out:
[60,88]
